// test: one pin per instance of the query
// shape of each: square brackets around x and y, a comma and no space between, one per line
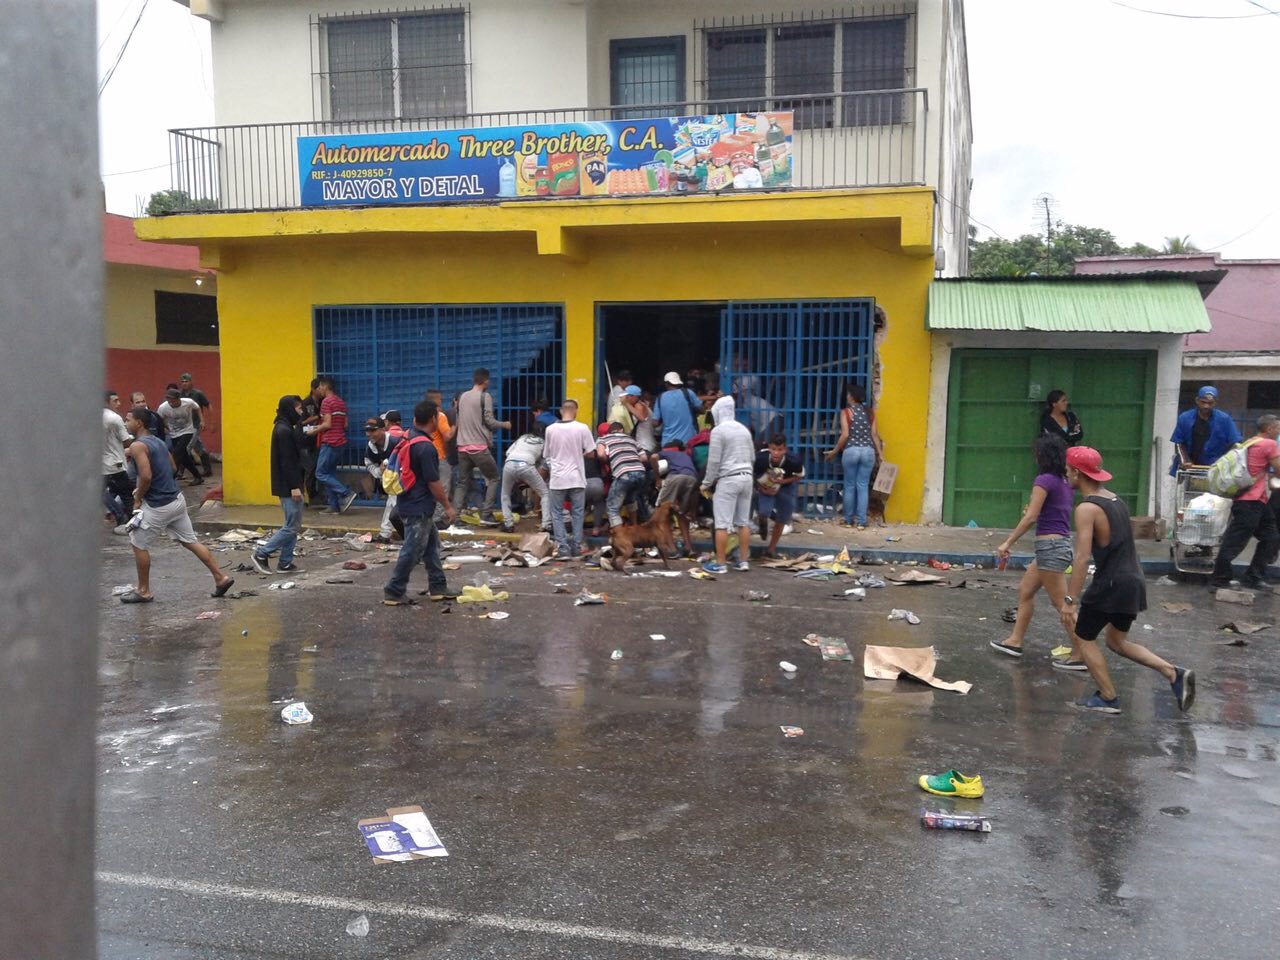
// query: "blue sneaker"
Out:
[1184,687]
[1096,703]
[714,566]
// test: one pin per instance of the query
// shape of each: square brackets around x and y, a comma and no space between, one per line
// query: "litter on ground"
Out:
[791,732]
[586,598]
[403,834]
[209,615]
[889,663]
[296,713]
[907,615]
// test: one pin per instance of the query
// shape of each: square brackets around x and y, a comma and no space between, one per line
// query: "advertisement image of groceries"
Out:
[615,158]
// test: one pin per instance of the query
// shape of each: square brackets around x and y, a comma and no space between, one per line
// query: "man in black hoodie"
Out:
[286,483]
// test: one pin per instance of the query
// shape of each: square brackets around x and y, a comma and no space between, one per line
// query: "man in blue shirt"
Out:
[416,507]
[674,410]
[1204,433]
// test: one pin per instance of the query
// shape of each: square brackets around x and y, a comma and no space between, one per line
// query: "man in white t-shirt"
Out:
[117,491]
[180,415]
[567,443]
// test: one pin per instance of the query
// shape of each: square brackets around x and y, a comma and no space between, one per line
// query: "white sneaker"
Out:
[787,529]
[742,566]
[121,530]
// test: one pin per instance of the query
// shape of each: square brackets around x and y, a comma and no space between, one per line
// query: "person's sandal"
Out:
[133,596]
[221,591]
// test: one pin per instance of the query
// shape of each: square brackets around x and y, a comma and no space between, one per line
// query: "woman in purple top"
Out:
[1050,512]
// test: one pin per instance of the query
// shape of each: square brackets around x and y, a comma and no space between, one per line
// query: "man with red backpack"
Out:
[415,464]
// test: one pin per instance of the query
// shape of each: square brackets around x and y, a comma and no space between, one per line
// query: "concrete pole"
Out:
[51,348]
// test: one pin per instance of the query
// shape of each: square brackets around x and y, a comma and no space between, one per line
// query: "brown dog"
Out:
[654,532]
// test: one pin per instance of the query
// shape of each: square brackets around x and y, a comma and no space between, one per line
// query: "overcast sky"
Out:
[1150,126]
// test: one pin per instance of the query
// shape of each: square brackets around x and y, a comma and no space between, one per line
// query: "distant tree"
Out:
[1179,245]
[1031,254]
[176,201]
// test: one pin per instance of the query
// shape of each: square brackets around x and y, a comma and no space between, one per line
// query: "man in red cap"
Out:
[1118,592]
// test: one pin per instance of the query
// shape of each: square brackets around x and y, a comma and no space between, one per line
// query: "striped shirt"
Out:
[623,453]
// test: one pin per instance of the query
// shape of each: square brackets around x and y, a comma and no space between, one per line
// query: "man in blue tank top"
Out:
[1117,593]
[159,508]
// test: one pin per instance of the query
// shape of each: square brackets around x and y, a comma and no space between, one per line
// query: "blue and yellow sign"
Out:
[743,151]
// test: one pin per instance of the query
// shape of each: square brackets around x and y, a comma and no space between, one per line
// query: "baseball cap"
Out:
[673,378]
[373,423]
[173,392]
[187,377]
[1089,462]
[632,391]
[602,429]
[1207,391]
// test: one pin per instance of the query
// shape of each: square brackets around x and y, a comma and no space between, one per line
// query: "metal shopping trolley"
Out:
[1199,521]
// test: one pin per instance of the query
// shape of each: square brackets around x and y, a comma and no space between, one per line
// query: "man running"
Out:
[180,415]
[187,387]
[117,491]
[163,509]
[1117,593]
[476,424]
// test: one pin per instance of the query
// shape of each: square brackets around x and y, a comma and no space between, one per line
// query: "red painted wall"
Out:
[150,370]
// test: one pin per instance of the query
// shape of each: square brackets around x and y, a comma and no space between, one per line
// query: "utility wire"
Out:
[1195,16]
[124,9]
[1227,243]
[1254,3]
[123,47]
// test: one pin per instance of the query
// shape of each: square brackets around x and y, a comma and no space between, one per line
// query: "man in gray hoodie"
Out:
[474,436]
[730,468]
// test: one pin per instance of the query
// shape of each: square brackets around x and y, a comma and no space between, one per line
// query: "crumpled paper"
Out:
[888,663]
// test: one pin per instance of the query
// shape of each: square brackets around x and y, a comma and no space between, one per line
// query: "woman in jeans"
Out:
[1050,512]
[860,443]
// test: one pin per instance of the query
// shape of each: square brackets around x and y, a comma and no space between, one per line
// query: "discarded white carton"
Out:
[296,713]
[403,834]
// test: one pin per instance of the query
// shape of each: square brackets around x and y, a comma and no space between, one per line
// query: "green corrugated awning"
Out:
[1068,304]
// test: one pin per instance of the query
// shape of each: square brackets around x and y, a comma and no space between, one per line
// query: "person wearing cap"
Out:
[180,414]
[376,453]
[1117,593]
[629,410]
[730,469]
[675,410]
[186,384]
[1251,514]
[1203,433]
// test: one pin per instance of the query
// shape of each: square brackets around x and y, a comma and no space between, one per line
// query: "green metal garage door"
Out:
[993,415]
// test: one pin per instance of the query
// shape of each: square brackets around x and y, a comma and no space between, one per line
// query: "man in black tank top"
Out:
[1118,592]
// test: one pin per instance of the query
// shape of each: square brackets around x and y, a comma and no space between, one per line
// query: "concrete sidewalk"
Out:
[893,543]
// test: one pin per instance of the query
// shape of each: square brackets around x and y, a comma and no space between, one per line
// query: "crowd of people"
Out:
[715,464]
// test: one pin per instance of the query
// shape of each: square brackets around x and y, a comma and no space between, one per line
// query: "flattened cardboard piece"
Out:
[403,834]
[886,477]
[888,663]
[914,576]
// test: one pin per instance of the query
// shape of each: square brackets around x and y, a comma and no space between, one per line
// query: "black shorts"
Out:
[1091,621]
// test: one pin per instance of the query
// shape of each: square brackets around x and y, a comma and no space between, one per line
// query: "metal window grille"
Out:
[392,66]
[647,72]
[789,62]
[786,364]
[387,357]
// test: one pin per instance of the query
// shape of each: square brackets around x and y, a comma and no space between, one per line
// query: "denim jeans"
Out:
[780,506]
[595,502]
[327,476]
[634,484]
[421,545]
[577,499]
[858,463]
[117,494]
[514,471]
[286,538]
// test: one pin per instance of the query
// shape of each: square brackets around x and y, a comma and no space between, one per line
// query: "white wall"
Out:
[1168,380]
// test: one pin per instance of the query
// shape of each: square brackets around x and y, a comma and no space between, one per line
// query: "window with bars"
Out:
[647,72]
[403,66]
[788,66]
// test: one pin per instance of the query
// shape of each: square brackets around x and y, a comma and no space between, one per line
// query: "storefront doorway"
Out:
[784,362]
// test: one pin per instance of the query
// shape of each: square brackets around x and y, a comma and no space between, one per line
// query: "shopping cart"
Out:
[1199,521]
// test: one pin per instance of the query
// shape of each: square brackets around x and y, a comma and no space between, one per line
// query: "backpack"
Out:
[398,476]
[1229,474]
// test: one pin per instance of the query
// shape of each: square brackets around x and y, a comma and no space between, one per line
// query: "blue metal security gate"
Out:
[786,364]
[387,357]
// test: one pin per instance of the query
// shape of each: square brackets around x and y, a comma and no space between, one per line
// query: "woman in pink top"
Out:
[1049,511]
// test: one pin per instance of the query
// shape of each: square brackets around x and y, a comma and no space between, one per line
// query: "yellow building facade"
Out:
[276,269]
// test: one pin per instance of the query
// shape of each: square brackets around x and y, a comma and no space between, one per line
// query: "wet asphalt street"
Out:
[650,807]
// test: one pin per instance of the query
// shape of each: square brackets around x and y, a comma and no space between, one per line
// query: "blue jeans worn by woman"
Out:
[286,538]
[421,545]
[858,463]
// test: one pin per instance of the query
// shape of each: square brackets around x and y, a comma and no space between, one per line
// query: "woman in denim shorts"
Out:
[1049,511]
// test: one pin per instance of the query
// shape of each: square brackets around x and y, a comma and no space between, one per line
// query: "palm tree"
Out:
[1179,245]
